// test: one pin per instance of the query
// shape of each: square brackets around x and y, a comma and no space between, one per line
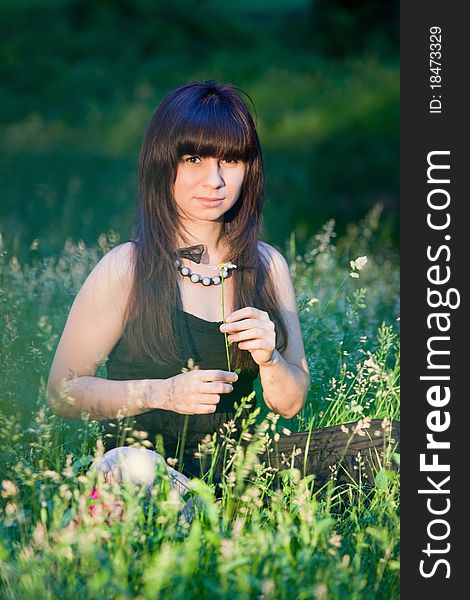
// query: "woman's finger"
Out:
[212,387]
[257,345]
[216,387]
[203,409]
[247,312]
[216,375]
[247,324]
[250,334]
[208,398]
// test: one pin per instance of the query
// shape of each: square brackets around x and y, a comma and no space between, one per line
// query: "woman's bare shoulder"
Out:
[119,262]
[113,276]
[274,258]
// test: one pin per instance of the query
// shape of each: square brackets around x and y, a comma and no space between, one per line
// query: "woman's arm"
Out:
[285,386]
[286,379]
[106,398]
[94,325]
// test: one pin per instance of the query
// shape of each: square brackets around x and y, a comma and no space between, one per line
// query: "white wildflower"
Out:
[359,263]
[223,268]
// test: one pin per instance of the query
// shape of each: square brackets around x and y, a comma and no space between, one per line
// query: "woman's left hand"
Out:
[254,331]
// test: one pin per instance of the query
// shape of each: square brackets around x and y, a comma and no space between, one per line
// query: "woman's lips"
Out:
[210,201]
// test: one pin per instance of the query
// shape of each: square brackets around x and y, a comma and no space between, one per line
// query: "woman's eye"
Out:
[192,159]
[231,161]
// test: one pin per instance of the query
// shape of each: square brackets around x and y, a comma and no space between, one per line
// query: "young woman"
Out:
[152,306]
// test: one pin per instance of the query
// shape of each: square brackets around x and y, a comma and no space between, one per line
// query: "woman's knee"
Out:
[140,466]
[125,464]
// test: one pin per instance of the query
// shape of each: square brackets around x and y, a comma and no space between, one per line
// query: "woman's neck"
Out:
[212,235]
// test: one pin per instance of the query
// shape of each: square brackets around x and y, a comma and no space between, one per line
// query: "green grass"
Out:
[257,541]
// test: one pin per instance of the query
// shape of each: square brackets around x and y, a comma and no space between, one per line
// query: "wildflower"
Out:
[230,426]
[274,417]
[68,471]
[386,423]
[231,477]
[51,474]
[335,540]
[360,461]
[359,263]
[106,508]
[369,363]
[64,492]
[223,268]
[10,508]
[9,488]
[191,366]
[361,425]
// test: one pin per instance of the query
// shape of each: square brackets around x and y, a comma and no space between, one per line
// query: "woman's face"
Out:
[207,187]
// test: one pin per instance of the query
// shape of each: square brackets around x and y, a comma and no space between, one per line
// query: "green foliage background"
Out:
[80,79]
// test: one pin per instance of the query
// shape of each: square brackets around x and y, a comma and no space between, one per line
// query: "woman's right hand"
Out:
[198,391]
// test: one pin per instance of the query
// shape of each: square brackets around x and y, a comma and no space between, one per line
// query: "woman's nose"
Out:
[213,174]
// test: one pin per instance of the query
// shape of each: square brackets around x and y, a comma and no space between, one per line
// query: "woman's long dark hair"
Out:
[204,119]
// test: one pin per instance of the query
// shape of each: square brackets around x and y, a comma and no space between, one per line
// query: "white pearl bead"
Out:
[185,271]
[177,263]
[206,280]
[195,278]
[224,273]
[216,280]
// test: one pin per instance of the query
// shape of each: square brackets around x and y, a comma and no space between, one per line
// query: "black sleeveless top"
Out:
[202,341]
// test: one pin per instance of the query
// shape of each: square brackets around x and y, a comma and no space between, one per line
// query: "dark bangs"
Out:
[214,127]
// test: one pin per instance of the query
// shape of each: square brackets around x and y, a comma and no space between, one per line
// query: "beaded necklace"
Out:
[194,253]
